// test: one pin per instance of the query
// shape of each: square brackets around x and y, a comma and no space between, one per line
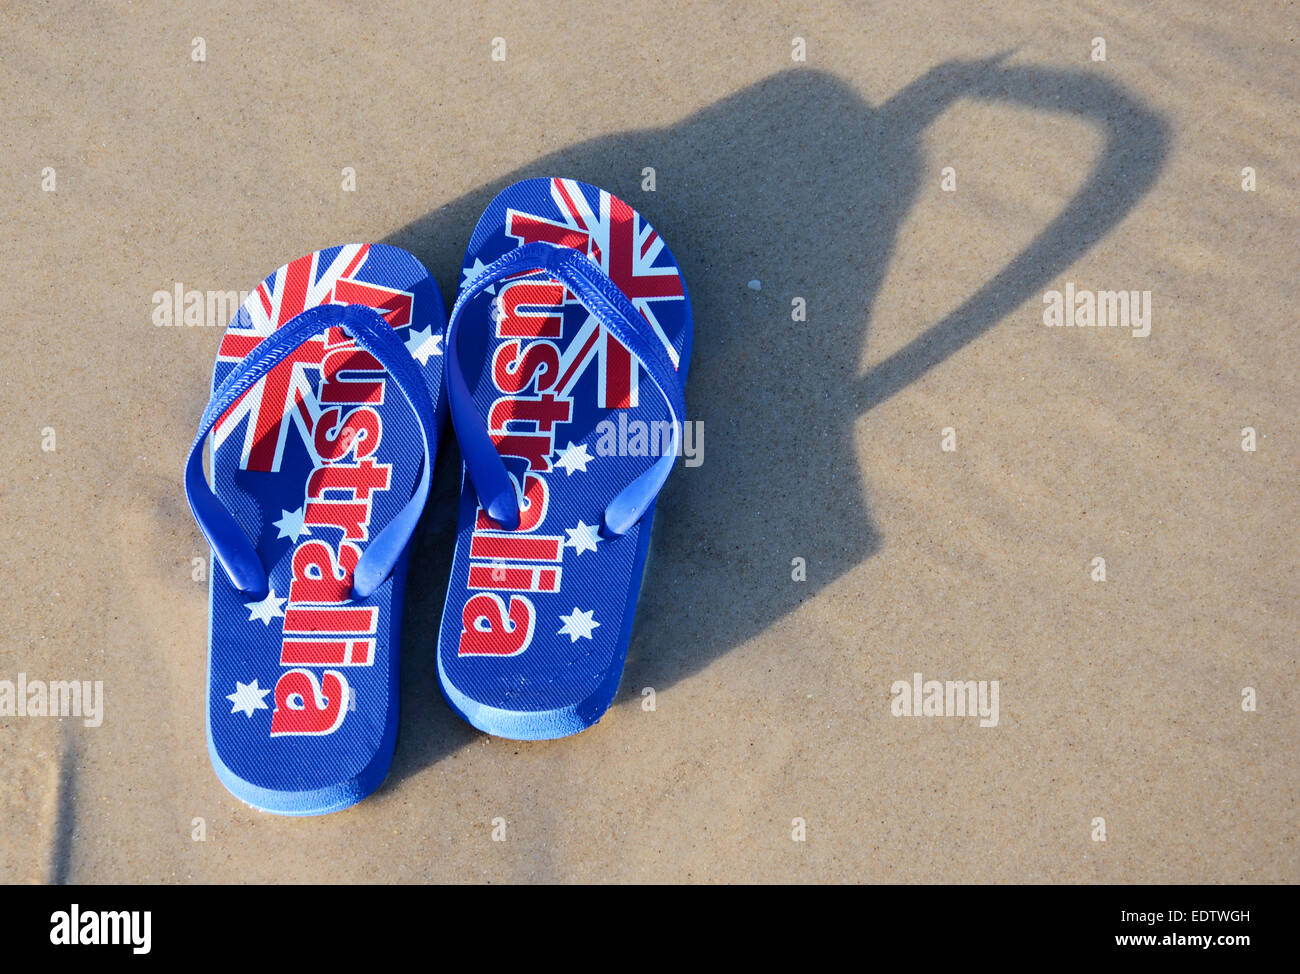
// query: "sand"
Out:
[1120,701]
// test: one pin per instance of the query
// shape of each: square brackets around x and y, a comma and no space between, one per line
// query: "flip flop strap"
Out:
[372,333]
[602,298]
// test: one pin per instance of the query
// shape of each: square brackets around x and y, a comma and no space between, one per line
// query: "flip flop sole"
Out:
[537,621]
[313,462]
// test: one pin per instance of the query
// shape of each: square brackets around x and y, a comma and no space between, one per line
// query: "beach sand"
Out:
[1120,701]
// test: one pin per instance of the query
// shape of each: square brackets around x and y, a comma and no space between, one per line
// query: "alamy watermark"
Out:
[642,438]
[945,698]
[1082,308]
[194,308]
[77,927]
[57,698]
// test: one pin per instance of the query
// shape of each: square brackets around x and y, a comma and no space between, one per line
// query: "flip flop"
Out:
[570,302]
[324,419]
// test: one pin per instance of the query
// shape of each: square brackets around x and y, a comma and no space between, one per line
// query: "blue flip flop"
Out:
[570,303]
[325,412]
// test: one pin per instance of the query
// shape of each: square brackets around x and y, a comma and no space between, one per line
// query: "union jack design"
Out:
[626,248]
[286,392]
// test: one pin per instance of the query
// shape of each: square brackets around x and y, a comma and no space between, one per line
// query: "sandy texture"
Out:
[819,179]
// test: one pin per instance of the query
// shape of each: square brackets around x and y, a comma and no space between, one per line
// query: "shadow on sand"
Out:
[799,182]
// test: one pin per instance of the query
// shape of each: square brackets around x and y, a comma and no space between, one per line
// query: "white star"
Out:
[578,624]
[247,697]
[291,524]
[266,610]
[582,538]
[473,272]
[422,344]
[573,458]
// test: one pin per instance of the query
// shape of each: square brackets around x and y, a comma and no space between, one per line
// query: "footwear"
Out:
[572,328]
[324,420]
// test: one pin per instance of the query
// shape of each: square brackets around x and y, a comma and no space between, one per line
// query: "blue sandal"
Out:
[324,419]
[571,300]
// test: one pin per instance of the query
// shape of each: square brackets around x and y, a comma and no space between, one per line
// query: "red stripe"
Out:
[237,345]
[356,261]
[514,579]
[618,374]
[574,365]
[356,618]
[515,547]
[622,243]
[568,201]
[530,229]
[395,305]
[297,278]
[327,652]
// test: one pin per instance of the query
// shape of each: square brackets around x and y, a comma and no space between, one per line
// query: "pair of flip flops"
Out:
[571,327]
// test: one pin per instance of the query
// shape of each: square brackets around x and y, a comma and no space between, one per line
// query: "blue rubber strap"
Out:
[610,306]
[372,333]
